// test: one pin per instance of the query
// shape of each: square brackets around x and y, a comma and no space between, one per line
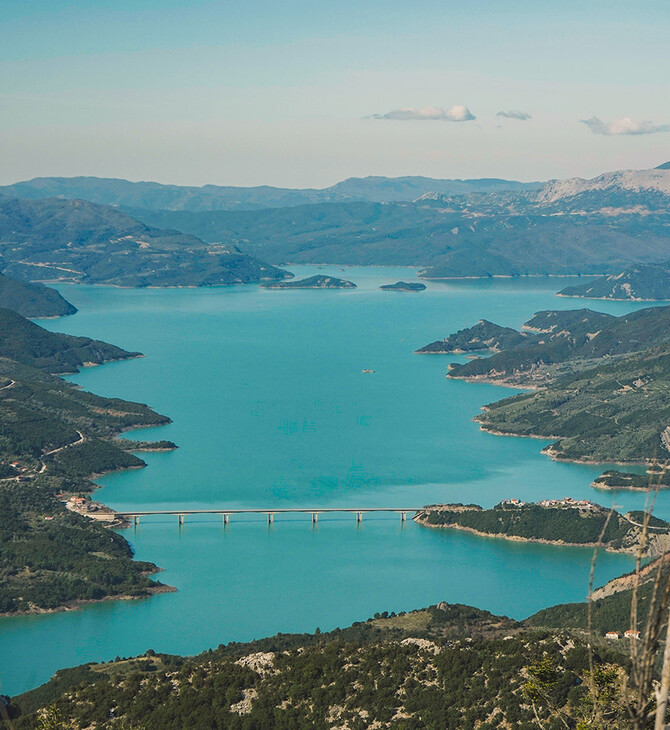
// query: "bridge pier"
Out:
[315,516]
[403,516]
[225,518]
[359,517]
[271,518]
[136,519]
[181,519]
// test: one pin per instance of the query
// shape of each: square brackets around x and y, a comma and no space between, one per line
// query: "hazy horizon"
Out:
[302,96]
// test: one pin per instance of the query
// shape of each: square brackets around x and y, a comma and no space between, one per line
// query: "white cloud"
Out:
[623,126]
[515,114]
[457,113]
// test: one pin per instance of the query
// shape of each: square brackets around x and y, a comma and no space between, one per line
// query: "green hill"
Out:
[609,614]
[611,603]
[30,344]
[565,522]
[483,336]
[409,286]
[603,381]
[613,479]
[32,300]
[554,342]
[74,240]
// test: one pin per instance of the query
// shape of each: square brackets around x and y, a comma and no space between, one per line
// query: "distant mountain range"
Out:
[155,196]
[621,181]
[577,227]
[172,235]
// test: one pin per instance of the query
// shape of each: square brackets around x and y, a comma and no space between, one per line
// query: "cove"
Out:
[270,408]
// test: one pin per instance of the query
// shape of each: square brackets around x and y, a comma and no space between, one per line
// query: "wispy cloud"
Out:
[623,126]
[515,114]
[457,113]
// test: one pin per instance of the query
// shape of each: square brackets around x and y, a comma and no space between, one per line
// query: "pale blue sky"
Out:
[283,93]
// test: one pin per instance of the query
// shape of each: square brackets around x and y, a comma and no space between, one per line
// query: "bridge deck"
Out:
[264,511]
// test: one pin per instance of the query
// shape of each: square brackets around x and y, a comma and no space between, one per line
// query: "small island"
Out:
[553,521]
[403,286]
[313,282]
[637,283]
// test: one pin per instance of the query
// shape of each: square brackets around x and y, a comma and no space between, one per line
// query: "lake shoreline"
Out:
[422,516]
[79,604]
[371,440]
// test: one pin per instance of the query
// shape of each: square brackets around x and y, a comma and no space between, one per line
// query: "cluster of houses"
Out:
[569,502]
[84,506]
[79,504]
[565,502]
[630,634]
[22,476]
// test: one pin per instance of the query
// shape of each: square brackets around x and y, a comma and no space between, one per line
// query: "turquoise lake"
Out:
[270,409]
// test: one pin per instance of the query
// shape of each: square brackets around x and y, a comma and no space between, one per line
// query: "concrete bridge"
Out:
[181,514]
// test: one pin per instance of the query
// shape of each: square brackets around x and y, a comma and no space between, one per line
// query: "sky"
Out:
[304,93]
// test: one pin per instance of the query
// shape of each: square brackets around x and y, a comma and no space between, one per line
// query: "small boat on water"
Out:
[367,371]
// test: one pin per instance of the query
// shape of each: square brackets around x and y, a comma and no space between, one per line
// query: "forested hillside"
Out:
[617,412]
[552,343]
[53,437]
[565,522]
[32,300]
[30,344]
[639,282]
[452,228]
[454,236]
[443,667]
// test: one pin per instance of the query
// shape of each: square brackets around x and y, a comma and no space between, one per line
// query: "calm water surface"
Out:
[270,408]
